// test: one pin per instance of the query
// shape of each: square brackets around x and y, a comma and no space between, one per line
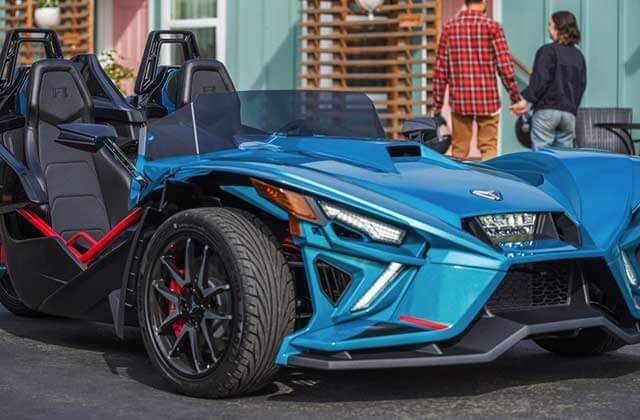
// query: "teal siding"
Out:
[611,46]
[261,43]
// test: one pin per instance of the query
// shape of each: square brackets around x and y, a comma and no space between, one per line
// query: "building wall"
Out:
[611,46]
[261,43]
[130,29]
[262,48]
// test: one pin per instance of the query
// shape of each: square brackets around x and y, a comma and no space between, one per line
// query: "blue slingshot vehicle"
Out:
[253,230]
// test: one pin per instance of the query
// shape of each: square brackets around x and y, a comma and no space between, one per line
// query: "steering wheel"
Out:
[298,127]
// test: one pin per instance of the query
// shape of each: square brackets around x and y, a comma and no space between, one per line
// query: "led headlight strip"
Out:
[388,276]
[374,229]
[629,270]
[509,228]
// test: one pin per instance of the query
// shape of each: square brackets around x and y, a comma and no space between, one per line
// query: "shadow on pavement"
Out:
[128,354]
[526,364]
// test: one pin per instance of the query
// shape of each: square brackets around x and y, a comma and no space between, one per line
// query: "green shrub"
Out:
[48,3]
[110,61]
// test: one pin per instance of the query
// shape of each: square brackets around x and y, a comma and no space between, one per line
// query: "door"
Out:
[130,29]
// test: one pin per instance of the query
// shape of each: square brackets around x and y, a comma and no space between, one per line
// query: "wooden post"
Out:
[389,58]
[75,31]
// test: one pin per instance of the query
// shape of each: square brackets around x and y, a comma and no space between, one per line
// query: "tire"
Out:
[252,315]
[588,342]
[10,299]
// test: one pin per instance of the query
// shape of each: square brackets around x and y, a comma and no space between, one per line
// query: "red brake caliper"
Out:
[175,288]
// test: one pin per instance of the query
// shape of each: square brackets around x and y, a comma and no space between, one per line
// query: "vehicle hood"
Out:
[406,174]
[425,181]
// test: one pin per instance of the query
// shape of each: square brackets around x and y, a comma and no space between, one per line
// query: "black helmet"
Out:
[427,132]
[523,129]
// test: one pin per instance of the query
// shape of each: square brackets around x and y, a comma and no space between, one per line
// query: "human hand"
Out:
[520,108]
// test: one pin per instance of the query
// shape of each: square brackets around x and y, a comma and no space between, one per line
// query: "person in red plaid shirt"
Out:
[472,50]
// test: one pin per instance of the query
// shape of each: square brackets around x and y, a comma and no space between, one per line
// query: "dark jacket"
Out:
[559,79]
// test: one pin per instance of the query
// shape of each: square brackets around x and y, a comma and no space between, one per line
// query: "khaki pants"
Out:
[463,132]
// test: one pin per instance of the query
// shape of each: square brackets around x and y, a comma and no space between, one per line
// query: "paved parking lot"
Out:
[61,369]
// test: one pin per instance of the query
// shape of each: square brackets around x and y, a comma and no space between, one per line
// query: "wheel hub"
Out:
[193,306]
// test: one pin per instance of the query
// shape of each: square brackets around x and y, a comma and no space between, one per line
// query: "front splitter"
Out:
[488,338]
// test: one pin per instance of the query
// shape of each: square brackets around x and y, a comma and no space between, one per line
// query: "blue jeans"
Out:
[550,127]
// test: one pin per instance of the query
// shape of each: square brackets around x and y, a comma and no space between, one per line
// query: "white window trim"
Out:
[104,25]
[219,23]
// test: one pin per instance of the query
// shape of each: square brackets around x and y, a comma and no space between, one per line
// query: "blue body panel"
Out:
[449,274]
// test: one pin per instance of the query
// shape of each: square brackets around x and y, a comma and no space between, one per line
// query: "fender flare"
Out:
[118,298]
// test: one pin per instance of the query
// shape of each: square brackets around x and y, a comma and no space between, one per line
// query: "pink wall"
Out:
[130,28]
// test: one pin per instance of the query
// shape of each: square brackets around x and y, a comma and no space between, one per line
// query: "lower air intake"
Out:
[533,286]
[333,281]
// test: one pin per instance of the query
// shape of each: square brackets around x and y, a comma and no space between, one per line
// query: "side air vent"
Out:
[333,281]
[404,151]
[567,230]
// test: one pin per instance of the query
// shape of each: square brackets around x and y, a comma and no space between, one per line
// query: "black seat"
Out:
[200,75]
[162,100]
[78,184]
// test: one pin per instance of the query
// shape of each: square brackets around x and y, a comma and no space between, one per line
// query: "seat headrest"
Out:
[57,92]
[199,76]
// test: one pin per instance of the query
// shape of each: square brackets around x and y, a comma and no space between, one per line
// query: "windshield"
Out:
[221,121]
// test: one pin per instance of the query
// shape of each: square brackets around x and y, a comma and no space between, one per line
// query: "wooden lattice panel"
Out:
[75,30]
[390,58]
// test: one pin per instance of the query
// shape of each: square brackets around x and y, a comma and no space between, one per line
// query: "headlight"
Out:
[509,228]
[374,229]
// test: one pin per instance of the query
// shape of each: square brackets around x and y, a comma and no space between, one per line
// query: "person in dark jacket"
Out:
[557,85]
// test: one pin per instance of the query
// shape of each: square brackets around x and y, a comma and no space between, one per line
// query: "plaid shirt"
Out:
[472,50]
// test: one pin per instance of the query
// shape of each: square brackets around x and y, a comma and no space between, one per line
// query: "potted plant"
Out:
[370,6]
[110,62]
[47,15]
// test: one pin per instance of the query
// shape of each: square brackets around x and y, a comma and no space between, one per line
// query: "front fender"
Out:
[320,185]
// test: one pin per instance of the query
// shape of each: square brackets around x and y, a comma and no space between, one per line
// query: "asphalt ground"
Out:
[62,369]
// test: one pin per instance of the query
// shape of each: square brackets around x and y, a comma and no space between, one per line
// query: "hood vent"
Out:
[404,151]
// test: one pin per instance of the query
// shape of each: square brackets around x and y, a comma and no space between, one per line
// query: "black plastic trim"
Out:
[11,50]
[146,81]
[85,296]
[118,298]
[114,107]
[502,333]
[32,187]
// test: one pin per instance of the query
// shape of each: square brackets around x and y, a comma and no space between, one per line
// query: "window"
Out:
[205,18]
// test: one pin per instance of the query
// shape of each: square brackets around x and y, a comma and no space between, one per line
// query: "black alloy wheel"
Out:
[215,299]
[190,306]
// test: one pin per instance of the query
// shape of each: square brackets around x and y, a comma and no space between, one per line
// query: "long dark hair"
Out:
[567,27]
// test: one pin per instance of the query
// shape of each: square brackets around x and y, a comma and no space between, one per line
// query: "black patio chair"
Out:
[592,137]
